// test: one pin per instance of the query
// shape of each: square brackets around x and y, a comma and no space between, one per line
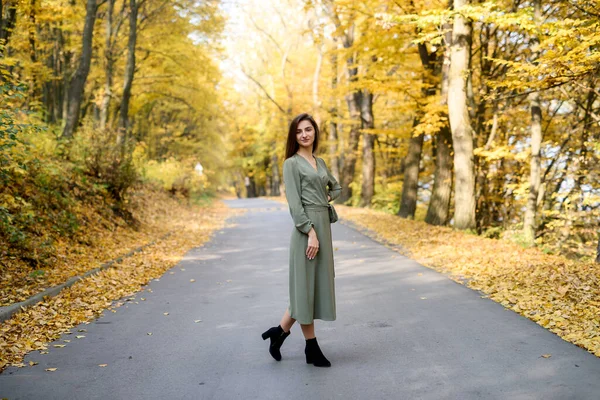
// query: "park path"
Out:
[402,331]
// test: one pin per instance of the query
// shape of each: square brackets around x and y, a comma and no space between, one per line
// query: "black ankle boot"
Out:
[314,355]
[277,336]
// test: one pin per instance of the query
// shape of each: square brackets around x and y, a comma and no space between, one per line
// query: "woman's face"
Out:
[305,134]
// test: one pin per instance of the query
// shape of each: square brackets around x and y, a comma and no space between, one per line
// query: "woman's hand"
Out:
[328,198]
[313,244]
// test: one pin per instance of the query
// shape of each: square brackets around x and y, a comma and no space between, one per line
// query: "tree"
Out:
[77,83]
[460,121]
[129,71]
[529,227]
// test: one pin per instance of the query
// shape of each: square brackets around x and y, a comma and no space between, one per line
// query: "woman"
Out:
[311,284]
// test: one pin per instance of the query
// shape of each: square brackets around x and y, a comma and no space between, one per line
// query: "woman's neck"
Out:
[305,152]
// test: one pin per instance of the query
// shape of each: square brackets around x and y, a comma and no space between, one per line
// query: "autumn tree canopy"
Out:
[480,116]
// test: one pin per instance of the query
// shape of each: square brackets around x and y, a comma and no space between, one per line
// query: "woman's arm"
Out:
[293,186]
[334,187]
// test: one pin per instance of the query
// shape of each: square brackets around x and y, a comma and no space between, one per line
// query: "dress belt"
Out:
[315,207]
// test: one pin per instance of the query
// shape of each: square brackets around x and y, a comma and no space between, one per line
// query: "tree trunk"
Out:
[529,226]
[353,100]
[412,161]
[315,88]
[108,66]
[368,161]
[129,72]
[349,165]
[275,181]
[77,83]
[408,202]
[7,24]
[439,205]
[460,122]
[333,126]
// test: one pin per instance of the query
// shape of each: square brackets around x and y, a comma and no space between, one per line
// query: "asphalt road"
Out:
[403,332]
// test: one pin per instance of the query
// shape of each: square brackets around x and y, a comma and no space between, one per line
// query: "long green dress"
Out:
[312,285]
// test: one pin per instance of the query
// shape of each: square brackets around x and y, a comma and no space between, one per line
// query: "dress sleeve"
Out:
[291,180]
[334,187]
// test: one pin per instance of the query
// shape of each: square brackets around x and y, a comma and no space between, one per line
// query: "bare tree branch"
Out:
[263,89]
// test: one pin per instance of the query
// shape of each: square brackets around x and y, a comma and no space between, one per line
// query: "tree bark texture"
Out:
[77,83]
[353,100]
[333,125]
[408,202]
[529,225]
[460,122]
[108,66]
[8,19]
[439,204]
[129,72]
[368,161]
[275,181]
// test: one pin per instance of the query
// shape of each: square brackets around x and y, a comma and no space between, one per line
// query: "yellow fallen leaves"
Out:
[32,328]
[101,238]
[559,294]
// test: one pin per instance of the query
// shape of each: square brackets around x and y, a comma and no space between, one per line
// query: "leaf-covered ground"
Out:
[101,236]
[559,294]
[33,328]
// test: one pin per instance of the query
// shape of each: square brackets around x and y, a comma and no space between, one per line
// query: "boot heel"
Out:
[265,335]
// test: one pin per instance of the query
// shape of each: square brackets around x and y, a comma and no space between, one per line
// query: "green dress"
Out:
[312,286]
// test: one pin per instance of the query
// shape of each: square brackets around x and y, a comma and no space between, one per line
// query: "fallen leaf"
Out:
[102,365]
[198,320]
[166,313]
[32,363]
[60,345]
[149,333]
[192,280]
[80,336]
[51,369]
[546,355]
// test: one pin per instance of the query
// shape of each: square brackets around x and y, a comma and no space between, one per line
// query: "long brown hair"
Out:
[292,145]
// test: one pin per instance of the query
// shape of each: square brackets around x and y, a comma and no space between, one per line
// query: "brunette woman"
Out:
[309,187]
